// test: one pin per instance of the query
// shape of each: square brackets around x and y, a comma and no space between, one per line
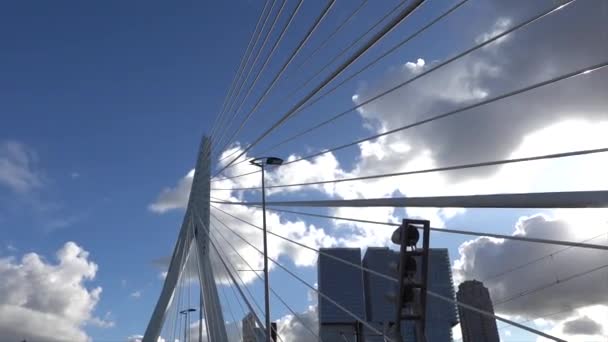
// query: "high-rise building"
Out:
[440,315]
[251,331]
[476,327]
[366,295]
[344,284]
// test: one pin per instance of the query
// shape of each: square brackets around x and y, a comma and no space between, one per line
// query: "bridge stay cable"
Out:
[357,73]
[345,310]
[213,240]
[576,73]
[253,64]
[329,37]
[291,310]
[293,54]
[241,80]
[400,85]
[354,57]
[298,88]
[431,170]
[260,71]
[433,294]
[230,275]
[244,284]
[216,122]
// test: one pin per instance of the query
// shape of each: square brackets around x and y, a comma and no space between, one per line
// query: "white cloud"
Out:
[17,167]
[292,329]
[515,293]
[135,294]
[298,230]
[139,338]
[41,301]
[174,198]
[566,116]
[589,324]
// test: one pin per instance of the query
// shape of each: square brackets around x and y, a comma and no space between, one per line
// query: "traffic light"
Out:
[412,271]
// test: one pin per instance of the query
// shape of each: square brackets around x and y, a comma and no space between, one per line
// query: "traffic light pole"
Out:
[412,292]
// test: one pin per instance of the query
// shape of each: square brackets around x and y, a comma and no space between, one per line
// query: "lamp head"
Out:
[276,161]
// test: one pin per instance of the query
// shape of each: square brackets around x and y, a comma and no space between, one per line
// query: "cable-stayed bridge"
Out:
[204,232]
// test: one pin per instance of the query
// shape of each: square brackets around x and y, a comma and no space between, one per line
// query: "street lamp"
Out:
[186,321]
[261,163]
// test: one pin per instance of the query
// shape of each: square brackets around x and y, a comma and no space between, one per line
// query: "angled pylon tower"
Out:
[194,230]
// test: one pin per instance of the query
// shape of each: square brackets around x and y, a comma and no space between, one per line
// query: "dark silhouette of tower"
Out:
[476,327]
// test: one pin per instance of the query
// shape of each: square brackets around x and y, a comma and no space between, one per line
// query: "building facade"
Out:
[344,284]
[368,295]
[251,331]
[476,327]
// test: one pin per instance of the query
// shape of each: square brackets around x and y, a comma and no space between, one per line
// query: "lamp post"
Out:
[261,163]
[186,321]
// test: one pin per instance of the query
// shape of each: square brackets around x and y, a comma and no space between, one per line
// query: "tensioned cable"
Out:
[296,315]
[550,200]
[350,77]
[422,74]
[534,261]
[551,284]
[261,312]
[439,169]
[545,316]
[260,49]
[239,70]
[302,42]
[259,73]
[234,268]
[332,34]
[241,81]
[179,287]
[354,57]
[290,95]
[212,239]
[573,74]
[200,292]
[345,310]
[223,290]
[233,280]
[177,320]
[341,53]
[206,232]
[242,282]
[253,64]
[433,294]
[443,230]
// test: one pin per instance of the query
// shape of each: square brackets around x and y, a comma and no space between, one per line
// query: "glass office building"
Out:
[373,302]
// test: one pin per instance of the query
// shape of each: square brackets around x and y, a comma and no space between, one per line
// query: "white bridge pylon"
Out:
[194,230]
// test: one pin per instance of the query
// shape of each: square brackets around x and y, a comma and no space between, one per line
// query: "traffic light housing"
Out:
[413,261]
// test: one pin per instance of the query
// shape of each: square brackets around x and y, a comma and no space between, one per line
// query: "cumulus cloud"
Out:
[42,301]
[298,230]
[289,327]
[483,258]
[582,326]
[562,117]
[546,286]
[294,329]
[495,130]
[139,338]
[17,167]
[174,198]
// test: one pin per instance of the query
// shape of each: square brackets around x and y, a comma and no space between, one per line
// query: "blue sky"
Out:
[106,102]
